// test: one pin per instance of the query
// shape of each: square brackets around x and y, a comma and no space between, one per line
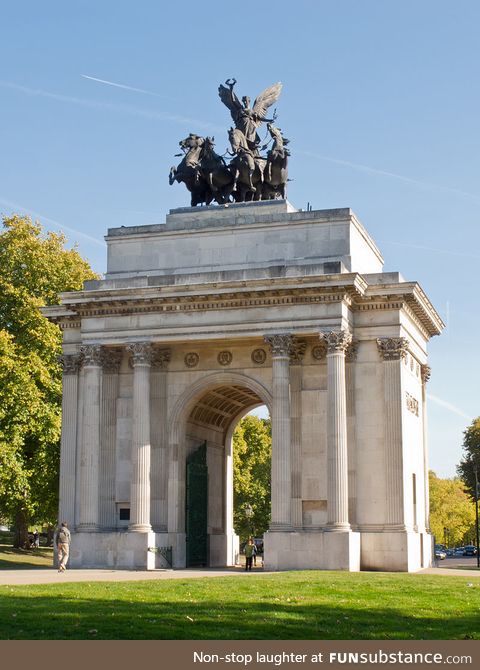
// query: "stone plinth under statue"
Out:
[203,318]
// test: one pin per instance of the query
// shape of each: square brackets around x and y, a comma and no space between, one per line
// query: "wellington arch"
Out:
[216,311]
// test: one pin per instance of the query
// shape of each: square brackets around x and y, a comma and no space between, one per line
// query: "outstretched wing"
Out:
[266,99]
[230,100]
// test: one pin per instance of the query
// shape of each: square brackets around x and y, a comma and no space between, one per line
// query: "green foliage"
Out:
[34,269]
[471,458]
[252,455]
[451,508]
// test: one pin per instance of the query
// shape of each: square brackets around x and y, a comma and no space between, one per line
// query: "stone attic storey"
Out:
[202,318]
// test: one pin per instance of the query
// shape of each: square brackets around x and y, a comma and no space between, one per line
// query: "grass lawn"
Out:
[291,605]
[16,559]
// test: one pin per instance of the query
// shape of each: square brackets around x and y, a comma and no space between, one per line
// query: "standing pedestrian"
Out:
[249,554]
[63,546]
[36,539]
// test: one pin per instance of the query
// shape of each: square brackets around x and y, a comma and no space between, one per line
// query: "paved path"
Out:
[47,576]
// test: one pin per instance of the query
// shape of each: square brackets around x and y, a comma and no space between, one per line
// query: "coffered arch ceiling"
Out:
[218,407]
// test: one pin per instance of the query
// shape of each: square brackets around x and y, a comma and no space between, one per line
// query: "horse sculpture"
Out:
[276,173]
[216,173]
[246,167]
[188,171]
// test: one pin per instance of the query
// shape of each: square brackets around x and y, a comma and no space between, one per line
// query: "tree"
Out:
[452,511]
[471,458]
[34,268]
[252,455]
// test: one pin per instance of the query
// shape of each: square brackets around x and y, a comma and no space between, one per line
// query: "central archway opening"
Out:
[216,506]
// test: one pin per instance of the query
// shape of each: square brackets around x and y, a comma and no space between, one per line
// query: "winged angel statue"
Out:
[249,175]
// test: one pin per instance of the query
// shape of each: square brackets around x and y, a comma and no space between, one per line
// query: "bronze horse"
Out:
[189,172]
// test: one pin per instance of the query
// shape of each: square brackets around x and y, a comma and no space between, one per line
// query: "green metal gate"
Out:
[196,513]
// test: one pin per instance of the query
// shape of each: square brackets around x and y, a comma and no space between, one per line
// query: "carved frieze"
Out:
[337,341]
[412,404]
[92,355]
[225,357]
[259,356]
[70,363]
[392,348]
[141,353]
[191,359]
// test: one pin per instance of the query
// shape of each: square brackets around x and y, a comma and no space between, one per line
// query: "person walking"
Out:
[249,554]
[63,546]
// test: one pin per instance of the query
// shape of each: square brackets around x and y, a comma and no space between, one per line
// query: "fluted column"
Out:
[350,358]
[111,359]
[89,459]
[425,372]
[296,357]
[337,455]
[68,448]
[393,350]
[159,461]
[281,432]
[142,353]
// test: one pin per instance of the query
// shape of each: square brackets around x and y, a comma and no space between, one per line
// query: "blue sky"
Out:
[381,103]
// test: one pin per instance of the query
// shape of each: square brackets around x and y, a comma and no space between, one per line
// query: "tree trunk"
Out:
[20,537]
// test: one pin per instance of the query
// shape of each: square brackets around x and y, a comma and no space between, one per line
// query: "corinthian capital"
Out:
[392,348]
[280,345]
[111,359]
[70,363]
[161,358]
[336,340]
[142,353]
[425,371]
[92,355]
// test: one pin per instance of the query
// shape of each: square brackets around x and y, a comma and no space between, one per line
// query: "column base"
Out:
[337,528]
[277,527]
[87,528]
[140,528]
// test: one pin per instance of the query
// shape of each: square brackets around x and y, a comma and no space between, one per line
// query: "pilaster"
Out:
[159,461]
[337,488]
[142,356]
[393,350]
[70,364]
[110,360]
[281,486]
[89,459]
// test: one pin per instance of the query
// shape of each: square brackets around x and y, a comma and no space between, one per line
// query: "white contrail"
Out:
[394,175]
[124,86]
[448,252]
[15,207]
[449,406]
[127,109]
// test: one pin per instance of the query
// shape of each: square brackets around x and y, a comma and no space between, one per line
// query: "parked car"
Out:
[450,552]
[440,554]
[3,529]
[470,550]
[459,551]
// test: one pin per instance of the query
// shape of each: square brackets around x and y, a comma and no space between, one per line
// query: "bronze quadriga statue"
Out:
[248,175]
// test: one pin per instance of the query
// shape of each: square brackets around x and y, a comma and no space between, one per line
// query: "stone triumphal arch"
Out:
[199,320]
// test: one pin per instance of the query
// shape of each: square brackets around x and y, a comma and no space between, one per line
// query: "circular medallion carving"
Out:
[319,352]
[259,356]
[225,357]
[191,359]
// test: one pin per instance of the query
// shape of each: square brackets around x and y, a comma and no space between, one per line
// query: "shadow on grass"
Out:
[147,612]
[25,559]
